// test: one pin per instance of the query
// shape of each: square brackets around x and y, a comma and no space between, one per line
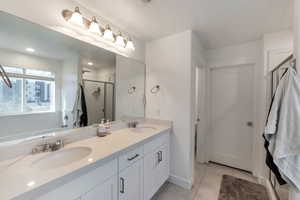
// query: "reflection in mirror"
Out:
[47,68]
[98,75]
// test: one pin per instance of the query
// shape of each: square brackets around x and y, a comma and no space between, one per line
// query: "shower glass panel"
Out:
[100,101]
[109,101]
[94,95]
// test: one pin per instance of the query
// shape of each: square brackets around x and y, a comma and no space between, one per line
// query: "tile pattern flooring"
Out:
[207,184]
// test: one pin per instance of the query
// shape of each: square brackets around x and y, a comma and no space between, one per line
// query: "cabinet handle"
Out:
[160,156]
[122,187]
[134,157]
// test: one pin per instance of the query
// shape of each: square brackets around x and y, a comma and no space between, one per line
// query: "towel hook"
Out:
[155,89]
[131,90]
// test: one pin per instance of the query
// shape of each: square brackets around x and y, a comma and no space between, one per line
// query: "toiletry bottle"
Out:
[107,124]
[101,131]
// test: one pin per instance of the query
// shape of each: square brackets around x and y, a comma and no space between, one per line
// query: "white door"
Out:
[104,191]
[232,115]
[131,182]
[201,114]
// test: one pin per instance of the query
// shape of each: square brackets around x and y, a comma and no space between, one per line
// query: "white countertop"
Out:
[18,176]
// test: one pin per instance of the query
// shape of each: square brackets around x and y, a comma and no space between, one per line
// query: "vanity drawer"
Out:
[156,142]
[130,157]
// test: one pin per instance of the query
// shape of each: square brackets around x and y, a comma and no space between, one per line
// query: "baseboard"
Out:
[184,183]
[268,185]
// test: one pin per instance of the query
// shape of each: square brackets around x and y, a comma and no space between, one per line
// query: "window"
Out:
[33,91]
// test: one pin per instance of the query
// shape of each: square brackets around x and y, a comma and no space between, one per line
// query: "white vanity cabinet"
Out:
[105,191]
[135,174]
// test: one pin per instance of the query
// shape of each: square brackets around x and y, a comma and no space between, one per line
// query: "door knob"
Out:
[250,124]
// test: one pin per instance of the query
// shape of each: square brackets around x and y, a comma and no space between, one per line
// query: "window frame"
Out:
[25,76]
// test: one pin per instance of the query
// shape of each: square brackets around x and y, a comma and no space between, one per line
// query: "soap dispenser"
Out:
[103,128]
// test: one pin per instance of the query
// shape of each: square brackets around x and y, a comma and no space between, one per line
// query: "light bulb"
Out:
[31,50]
[130,45]
[76,17]
[108,34]
[94,27]
[120,41]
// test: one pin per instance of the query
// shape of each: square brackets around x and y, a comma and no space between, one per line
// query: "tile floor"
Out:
[207,184]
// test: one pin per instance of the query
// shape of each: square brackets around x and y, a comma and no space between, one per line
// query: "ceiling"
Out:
[20,34]
[217,22]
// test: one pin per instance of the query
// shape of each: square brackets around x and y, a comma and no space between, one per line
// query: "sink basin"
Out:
[62,157]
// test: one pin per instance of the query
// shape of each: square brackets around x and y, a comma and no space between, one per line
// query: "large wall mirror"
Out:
[48,70]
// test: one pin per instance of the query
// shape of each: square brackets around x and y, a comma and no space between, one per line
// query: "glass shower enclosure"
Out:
[100,100]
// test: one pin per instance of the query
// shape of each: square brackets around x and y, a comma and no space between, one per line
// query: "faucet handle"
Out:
[57,145]
[133,124]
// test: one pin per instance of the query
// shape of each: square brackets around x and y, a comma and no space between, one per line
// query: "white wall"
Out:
[129,73]
[106,74]
[248,53]
[48,13]
[169,64]
[12,125]
[71,76]
[277,47]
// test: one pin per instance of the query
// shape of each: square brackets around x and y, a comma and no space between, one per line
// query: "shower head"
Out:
[97,91]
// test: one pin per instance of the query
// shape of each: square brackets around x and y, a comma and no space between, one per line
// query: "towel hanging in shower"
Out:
[84,115]
[80,117]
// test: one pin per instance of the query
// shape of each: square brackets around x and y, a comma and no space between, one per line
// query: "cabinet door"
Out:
[163,167]
[105,191]
[156,170]
[151,161]
[131,182]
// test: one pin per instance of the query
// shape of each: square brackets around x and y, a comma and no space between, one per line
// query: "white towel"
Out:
[283,128]
[77,109]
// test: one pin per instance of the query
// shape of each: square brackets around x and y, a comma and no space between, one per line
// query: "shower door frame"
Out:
[105,92]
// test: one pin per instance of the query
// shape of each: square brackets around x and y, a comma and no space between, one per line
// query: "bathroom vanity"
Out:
[43,153]
[128,164]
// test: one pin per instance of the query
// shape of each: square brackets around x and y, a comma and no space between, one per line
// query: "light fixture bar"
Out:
[92,26]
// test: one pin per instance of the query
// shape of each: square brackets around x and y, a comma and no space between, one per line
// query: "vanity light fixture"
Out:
[94,27]
[90,63]
[76,17]
[120,40]
[31,50]
[130,45]
[108,34]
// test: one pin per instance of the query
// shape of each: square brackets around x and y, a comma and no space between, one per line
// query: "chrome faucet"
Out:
[48,147]
[132,124]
